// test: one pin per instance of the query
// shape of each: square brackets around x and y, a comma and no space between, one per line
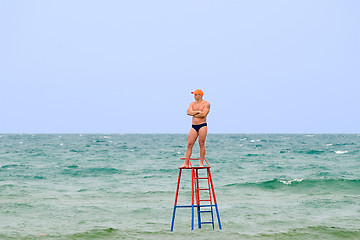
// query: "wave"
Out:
[304,233]
[306,184]
[11,166]
[310,152]
[318,232]
[96,234]
[86,172]
[107,233]
[340,152]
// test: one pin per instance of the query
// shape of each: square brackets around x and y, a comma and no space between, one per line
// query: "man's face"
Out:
[197,96]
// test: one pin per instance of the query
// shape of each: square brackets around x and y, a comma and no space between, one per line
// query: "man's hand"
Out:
[193,113]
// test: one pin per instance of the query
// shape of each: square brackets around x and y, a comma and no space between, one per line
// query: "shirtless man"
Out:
[198,110]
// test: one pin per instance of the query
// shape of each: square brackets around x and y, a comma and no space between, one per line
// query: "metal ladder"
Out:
[195,195]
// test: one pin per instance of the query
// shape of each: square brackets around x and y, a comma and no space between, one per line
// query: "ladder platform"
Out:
[193,167]
[195,205]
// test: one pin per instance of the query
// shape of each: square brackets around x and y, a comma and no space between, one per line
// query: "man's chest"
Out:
[198,107]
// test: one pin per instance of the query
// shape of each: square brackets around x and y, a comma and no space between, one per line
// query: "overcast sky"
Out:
[116,66]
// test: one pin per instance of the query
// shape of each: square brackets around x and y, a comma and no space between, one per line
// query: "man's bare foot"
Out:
[184,166]
[201,165]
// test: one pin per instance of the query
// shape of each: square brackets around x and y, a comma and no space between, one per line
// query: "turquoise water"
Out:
[112,186]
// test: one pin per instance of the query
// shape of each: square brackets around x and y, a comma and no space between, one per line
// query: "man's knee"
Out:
[202,143]
[190,145]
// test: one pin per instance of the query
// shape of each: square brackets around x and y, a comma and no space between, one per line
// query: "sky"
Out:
[117,66]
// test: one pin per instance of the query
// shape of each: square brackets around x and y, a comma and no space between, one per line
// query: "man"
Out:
[198,110]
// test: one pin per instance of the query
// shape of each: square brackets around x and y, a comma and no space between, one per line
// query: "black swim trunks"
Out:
[197,127]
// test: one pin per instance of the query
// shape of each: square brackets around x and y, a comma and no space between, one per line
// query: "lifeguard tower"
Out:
[208,204]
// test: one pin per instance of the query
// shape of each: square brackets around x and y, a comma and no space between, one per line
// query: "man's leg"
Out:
[202,137]
[191,140]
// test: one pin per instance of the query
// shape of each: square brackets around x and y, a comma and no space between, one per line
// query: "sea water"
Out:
[113,186]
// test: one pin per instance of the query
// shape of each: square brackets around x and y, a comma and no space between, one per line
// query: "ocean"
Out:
[122,186]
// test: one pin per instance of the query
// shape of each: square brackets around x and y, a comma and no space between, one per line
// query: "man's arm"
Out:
[191,112]
[204,112]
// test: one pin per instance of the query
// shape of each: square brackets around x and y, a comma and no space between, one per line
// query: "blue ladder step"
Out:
[206,222]
[204,211]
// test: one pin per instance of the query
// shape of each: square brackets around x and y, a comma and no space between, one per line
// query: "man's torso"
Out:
[199,106]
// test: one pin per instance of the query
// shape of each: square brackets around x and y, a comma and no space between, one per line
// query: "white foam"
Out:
[329,144]
[291,181]
[340,152]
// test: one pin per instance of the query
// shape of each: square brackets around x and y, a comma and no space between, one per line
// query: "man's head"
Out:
[198,91]
[198,94]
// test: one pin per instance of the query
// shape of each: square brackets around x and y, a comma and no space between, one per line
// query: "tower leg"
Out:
[176,196]
[199,218]
[218,216]
[173,219]
[192,196]
[192,217]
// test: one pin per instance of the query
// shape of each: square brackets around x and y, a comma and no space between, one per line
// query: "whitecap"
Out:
[291,181]
[340,152]
[329,144]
